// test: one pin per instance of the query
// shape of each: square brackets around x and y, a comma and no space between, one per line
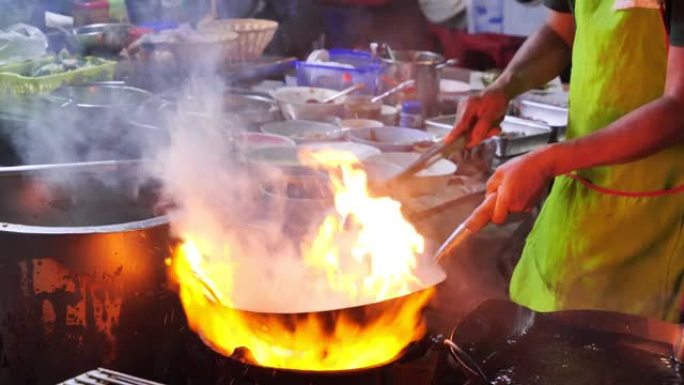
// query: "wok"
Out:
[290,316]
[508,342]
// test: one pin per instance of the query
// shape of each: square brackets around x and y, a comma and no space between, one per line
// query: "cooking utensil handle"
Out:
[472,369]
[393,90]
[448,63]
[344,92]
[479,218]
[16,170]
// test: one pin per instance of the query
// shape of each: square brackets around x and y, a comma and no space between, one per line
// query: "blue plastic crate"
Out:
[366,70]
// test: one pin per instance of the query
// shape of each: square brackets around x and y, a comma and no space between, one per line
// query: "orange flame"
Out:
[373,263]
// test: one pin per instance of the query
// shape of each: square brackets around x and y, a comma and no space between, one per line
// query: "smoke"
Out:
[219,203]
[251,237]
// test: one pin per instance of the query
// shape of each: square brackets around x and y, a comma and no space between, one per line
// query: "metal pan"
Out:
[519,136]
[554,116]
[488,332]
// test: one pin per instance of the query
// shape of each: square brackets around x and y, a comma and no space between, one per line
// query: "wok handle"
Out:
[679,344]
[472,370]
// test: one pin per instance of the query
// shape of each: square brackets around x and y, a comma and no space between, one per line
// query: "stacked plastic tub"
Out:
[344,69]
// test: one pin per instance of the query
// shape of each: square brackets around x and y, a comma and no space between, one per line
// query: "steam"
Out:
[254,247]
[250,242]
[219,203]
[65,134]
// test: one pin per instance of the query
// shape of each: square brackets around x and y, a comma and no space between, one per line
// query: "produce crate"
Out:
[15,84]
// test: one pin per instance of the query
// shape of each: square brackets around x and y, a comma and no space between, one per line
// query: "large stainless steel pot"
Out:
[425,68]
[82,274]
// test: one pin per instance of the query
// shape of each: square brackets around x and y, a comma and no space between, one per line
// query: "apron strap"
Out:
[666,11]
[627,194]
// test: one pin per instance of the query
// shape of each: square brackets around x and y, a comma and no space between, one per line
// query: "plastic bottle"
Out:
[411,115]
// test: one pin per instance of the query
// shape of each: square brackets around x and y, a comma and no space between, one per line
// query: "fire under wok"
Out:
[345,339]
[347,295]
[508,344]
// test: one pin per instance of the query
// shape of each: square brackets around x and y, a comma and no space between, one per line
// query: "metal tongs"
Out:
[440,150]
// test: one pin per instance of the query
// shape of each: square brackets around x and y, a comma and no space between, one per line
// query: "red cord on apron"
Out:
[645,194]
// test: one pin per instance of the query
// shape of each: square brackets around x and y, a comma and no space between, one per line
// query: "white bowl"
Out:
[255,140]
[451,86]
[428,181]
[360,150]
[351,124]
[379,171]
[442,167]
[282,157]
[294,106]
[390,139]
[302,131]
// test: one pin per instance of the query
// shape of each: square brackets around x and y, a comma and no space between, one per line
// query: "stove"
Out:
[195,363]
[188,361]
[102,376]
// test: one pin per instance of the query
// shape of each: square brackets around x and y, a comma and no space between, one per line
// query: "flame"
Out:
[365,251]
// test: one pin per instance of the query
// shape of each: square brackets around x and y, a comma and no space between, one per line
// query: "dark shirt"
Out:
[675,16]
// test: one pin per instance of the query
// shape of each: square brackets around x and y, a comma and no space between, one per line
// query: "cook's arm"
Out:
[643,132]
[541,58]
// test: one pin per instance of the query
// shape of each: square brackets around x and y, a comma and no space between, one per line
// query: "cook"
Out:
[611,233]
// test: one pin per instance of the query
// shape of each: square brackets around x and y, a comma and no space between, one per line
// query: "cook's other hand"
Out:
[519,184]
[479,116]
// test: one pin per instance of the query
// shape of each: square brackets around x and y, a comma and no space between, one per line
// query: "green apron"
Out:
[619,246]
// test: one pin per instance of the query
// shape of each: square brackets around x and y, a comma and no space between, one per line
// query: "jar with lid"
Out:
[411,115]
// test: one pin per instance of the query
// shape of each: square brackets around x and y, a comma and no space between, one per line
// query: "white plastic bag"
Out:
[21,42]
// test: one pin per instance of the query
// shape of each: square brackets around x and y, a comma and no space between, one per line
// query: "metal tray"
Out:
[530,134]
[555,116]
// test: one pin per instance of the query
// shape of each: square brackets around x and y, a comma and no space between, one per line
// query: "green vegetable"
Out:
[63,62]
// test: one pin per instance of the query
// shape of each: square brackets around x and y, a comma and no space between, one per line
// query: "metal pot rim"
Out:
[438,59]
[56,98]
[70,230]
[101,27]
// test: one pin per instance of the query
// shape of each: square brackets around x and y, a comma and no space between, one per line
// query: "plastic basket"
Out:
[13,83]
[253,35]
[366,70]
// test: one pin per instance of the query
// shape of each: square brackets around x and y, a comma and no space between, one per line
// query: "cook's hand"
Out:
[519,183]
[478,116]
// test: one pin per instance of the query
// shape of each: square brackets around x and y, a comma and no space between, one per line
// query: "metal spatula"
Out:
[475,222]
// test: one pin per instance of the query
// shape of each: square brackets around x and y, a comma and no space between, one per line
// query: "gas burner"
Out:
[194,363]
[107,377]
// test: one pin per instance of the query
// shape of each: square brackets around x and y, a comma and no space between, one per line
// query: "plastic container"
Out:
[411,115]
[13,83]
[90,12]
[366,70]
[485,16]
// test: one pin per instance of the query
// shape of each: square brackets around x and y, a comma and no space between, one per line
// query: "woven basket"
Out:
[205,54]
[253,36]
